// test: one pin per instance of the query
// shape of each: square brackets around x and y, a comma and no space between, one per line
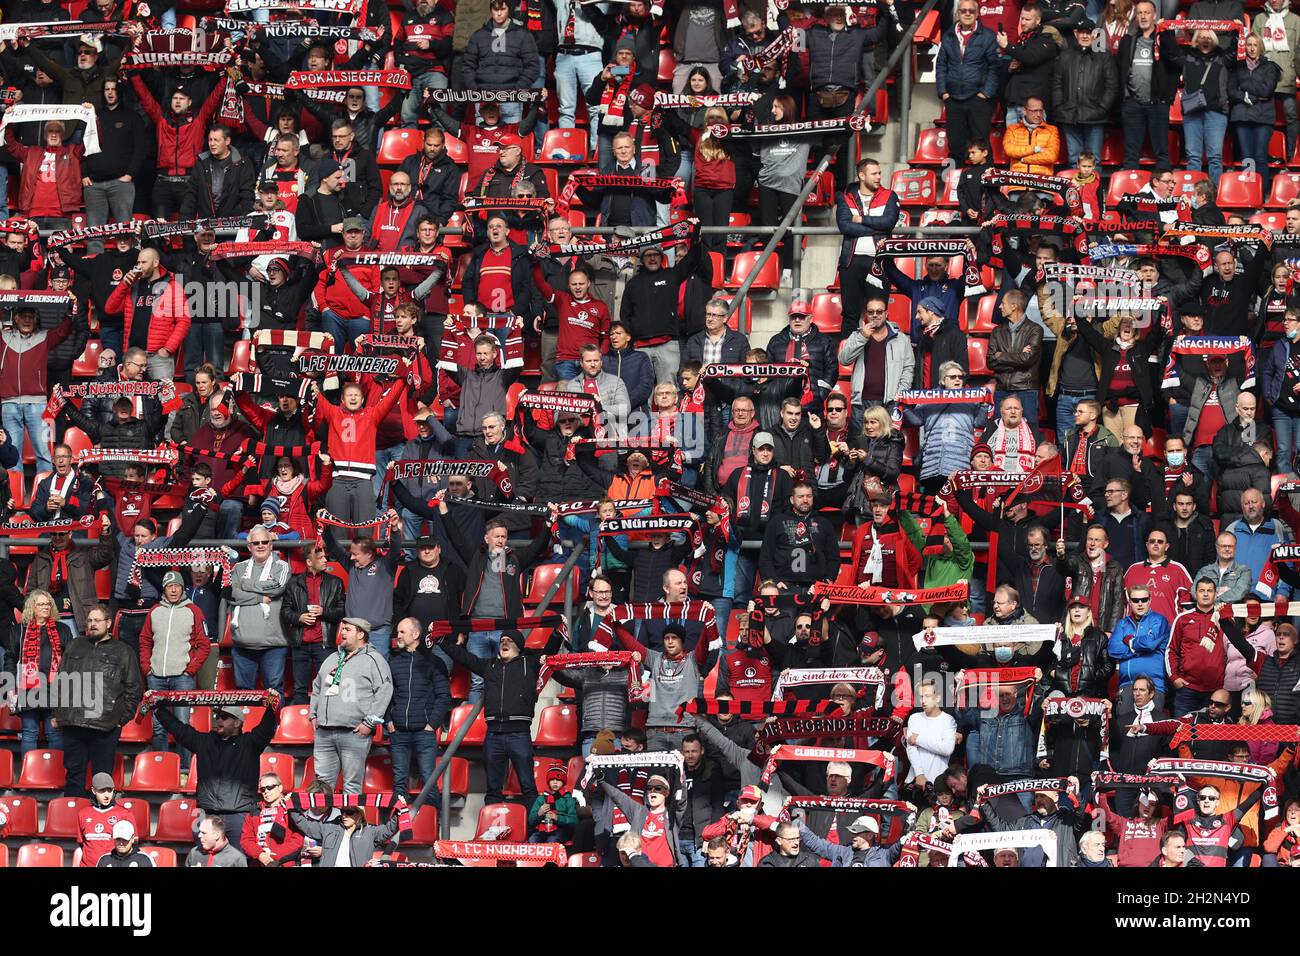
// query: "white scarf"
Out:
[1023,458]
[875,566]
[1142,716]
[44,114]
[264,576]
[1275,32]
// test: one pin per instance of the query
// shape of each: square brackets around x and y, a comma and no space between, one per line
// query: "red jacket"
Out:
[352,434]
[67,172]
[171,314]
[284,842]
[199,640]
[25,358]
[1187,657]
[332,292]
[180,139]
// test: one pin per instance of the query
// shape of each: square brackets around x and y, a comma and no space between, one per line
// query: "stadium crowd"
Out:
[983,559]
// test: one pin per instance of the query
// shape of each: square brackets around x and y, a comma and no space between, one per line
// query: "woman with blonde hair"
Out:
[1257,711]
[880,468]
[1081,667]
[32,655]
[713,191]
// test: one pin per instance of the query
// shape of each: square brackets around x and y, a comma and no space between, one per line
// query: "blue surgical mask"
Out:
[1002,654]
[1176,458]
[1293,334]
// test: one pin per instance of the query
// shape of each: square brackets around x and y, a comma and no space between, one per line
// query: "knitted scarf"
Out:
[349,7]
[378,525]
[1108,780]
[888,597]
[755,370]
[1204,345]
[1067,272]
[1197,253]
[223,558]
[860,725]
[370,365]
[559,662]
[146,60]
[806,676]
[1243,772]
[1253,236]
[1070,229]
[983,634]
[613,102]
[315,79]
[546,853]
[573,403]
[927,506]
[251,250]
[744,491]
[1215,26]
[992,676]
[28,529]
[511,95]
[1250,733]
[756,709]
[585,179]
[858,805]
[774,54]
[1074,707]
[1268,577]
[30,676]
[513,203]
[254,222]
[153,699]
[455,339]
[677,232]
[309,28]
[71,236]
[686,101]
[787,752]
[1065,190]
[1025,446]
[465,625]
[906,247]
[1056,784]
[423,469]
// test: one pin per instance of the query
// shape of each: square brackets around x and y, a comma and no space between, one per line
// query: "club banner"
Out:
[483,96]
[144,60]
[44,114]
[1045,840]
[1244,772]
[1052,784]
[255,222]
[858,123]
[30,529]
[858,805]
[782,753]
[807,676]
[315,79]
[874,596]
[349,7]
[685,101]
[945,396]
[318,364]
[572,403]
[1109,780]
[251,250]
[1214,26]
[755,370]
[678,232]
[1065,190]
[13,299]
[223,558]
[548,854]
[984,634]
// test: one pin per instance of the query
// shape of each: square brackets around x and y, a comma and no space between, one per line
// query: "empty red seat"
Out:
[1185,181]
[40,855]
[1240,190]
[456,779]
[977,353]
[984,315]
[295,726]
[42,770]
[1125,182]
[544,576]
[6,769]
[176,821]
[138,730]
[22,813]
[767,280]
[282,765]
[162,856]
[1274,220]
[564,147]
[424,827]
[1286,189]
[931,147]
[86,364]
[379,774]
[477,732]
[557,726]
[62,817]
[139,810]
[826,312]
[156,771]
[397,144]
[510,815]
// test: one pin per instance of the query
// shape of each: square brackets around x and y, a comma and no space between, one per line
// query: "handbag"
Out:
[832,97]
[1196,101]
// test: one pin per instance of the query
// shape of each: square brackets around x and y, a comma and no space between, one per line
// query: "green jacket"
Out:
[566,810]
[941,569]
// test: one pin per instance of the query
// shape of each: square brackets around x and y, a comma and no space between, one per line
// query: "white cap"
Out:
[864,824]
[839,769]
[123,830]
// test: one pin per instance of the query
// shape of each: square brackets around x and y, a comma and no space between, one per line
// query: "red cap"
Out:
[509,139]
[643,96]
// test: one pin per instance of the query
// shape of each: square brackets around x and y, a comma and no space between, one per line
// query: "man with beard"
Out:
[800,547]
[1096,576]
[1048,811]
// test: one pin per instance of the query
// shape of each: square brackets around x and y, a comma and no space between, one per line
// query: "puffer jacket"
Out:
[603,696]
[1278,678]
[1085,86]
[1020,142]
[1251,92]
[1074,566]
[947,435]
[170,315]
[489,62]
[835,56]
[114,662]
[421,691]
[1138,647]
[962,77]
[1082,669]
[823,364]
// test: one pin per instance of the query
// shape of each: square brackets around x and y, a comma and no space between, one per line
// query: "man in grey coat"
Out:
[256,589]
[880,354]
[349,698]
[610,390]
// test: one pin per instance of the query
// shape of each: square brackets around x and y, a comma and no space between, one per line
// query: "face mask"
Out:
[1293,334]
[1002,654]
[1176,458]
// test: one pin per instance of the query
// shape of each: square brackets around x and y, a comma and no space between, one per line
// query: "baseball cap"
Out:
[354,223]
[864,824]
[762,439]
[751,793]
[123,830]
[102,781]
[508,140]
[228,711]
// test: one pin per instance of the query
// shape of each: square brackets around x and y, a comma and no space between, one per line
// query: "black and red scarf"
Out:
[31,652]
[743,492]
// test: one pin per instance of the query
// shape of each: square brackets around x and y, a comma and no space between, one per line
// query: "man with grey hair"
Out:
[257,587]
[1256,535]
[1233,580]
[349,698]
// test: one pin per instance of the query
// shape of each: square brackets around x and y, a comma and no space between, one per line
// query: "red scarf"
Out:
[31,652]
[613,102]
[1079,463]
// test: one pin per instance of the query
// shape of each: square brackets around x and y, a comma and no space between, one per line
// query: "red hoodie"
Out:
[1197,650]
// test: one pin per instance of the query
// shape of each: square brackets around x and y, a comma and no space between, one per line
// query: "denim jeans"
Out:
[109,201]
[1065,405]
[179,682]
[382,457]
[1203,459]
[1252,143]
[344,331]
[746,568]
[573,75]
[381,639]
[567,370]
[433,80]
[481,644]
[424,744]
[1287,430]
[500,751]
[689,853]
[1139,121]
[307,659]
[204,342]
[665,359]
[4,191]
[340,749]
[1028,401]
[1187,700]
[1178,418]
[510,113]
[267,660]
[33,720]
[19,416]
[1083,136]
[1203,132]
[229,515]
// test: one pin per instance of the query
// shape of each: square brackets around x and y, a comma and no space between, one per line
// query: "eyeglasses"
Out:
[877,311]
[1206,798]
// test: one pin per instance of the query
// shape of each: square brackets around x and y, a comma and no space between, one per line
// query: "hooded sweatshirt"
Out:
[174,639]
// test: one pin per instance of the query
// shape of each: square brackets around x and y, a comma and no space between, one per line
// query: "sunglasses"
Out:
[1145,600]
[1219,703]
[270,787]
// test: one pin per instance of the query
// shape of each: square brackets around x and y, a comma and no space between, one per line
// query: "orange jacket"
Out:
[1019,143]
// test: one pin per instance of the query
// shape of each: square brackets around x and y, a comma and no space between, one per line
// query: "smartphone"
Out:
[620,71]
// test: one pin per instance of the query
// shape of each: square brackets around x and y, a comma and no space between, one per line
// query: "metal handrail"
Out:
[444,762]
[796,210]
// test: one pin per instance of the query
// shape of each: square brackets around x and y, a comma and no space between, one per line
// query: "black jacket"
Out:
[823,357]
[704,792]
[235,197]
[800,549]
[649,306]
[428,594]
[528,302]
[802,450]
[104,271]
[13,644]
[439,188]
[1208,73]
[421,691]
[509,687]
[317,213]
[1085,85]
[294,604]
[228,769]
[1165,73]
[476,560]
[558,479]
[1094,666]
[1193,546]
[119,666]
[122,143]
[1036,55]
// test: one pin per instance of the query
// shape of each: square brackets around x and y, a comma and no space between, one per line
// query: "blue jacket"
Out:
[947,434]
[950,291]
[1139,648]
[846,855]
[1004,742]
[873,227]
[421,691]
[1254,547]
[1273,373]
[962,77]
[635,370]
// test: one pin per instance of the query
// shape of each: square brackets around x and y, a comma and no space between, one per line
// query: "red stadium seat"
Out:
[1286,189]
[947,192]
[138,730]
[931,148]
[741,320]
[86,364]
[826,312]
[22,813]
[156,772]
[477,732]
[62,816]
[557,726]
[511,815]
[424,828]
[767,280]
[239,357]
[6,769]
[77,440]
[1125,182]
[456,779]
[667,63]
[541,765]
[544,576]
[42,770]
[162,856]
[295,726]
[10,725]
[1185,181]
[1273,220]
[984,315]
[1240,190]
[40,855]
[280,764]
[397,144]
[977,353]
[139,810]
[456,148]
[584,859]
[176,821]
[915,187]
[564,147]
[379,774]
